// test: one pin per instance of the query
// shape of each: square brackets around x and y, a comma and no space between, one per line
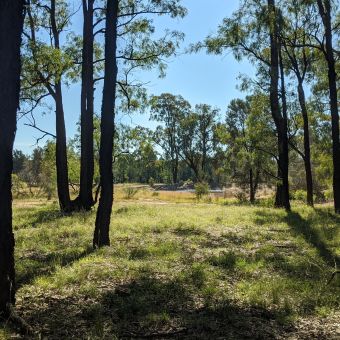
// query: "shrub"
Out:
[241,197]
[201,189]
[300,195]
[129,192]
[151,182]
[329,195]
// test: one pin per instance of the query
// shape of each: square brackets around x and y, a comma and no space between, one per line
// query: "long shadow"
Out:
[302,227]
[41,216]
[150,308]
[36,264]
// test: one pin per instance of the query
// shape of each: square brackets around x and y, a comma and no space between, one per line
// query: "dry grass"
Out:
[178,270]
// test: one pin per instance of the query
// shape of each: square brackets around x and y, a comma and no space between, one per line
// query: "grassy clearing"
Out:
[179,270]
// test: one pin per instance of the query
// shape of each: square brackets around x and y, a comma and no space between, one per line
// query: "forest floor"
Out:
[181,271]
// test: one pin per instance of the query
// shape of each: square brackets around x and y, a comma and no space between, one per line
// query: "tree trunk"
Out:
[61,143]
[101,233]
[306,143]
[61,153]
[11,26]
[251,187]
[282,194]
[325,12]
[85,198]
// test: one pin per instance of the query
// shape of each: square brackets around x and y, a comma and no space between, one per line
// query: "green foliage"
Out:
[201,189]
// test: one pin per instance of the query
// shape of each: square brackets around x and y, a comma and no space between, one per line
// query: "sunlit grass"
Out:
[167,260]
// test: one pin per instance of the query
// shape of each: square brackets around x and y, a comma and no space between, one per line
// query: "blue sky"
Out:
[199,78]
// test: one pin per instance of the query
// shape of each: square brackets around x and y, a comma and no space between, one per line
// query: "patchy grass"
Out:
[193,271]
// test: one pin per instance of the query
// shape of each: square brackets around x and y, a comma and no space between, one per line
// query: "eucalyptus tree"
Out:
[102,225]
[46,64]
[300,58]
[197,138]
[253,32]
[130,44]
[168,110]
[11,27]
[138,49]
[248,137]
[325,9]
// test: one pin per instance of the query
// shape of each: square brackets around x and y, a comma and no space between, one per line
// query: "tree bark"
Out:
[102,227]
[325,13]
[61,144]
[85,199]
[11,26]
[61,153]
[306,143]
[282,194]
[251,186]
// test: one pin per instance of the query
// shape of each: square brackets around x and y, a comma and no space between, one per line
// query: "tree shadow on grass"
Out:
[303,227]
[39,217]
[35,264]
[150,308]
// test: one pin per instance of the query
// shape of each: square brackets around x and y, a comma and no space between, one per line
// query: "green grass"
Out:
[178,270]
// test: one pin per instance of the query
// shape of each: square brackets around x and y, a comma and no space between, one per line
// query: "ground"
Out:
[187,270]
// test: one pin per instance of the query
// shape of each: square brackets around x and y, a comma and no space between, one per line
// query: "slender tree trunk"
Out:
[175,170]
[306,143]
[325,12]
[101,233]
[85,198]
[11,26]
[251,186]
[61,153]
[282,195]
[61,143]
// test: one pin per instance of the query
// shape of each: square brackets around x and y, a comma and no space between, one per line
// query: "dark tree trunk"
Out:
[61,153]
[11,26]
[61,144]
[101,233]
[85,198]
[282,194]
[251,186]
[306,143]
[175,170]
[325,12]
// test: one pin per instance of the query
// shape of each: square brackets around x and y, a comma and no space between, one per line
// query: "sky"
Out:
[199,78]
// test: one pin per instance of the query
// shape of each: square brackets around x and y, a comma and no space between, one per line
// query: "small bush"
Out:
[329,195]
[201,189]
[241,197]
[129,192]
[300,195]
[151,182]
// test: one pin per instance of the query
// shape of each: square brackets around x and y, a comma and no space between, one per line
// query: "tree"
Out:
[325,11]
[253,32]
[19,159]
[280,118]
[168,110]
[299,63]
[11,27]
[44,65]
[85,198]
[197,138]
[242,134]
[102,224]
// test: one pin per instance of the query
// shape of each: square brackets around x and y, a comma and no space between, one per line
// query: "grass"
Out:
[181,270]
